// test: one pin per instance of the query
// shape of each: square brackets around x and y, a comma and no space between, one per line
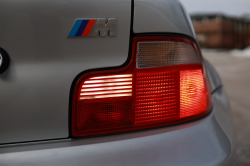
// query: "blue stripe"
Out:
[82,27]
[75,28]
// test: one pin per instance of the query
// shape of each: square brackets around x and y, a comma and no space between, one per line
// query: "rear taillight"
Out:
[164,83]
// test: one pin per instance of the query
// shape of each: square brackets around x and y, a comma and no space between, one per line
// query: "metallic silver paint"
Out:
[1,59]
[35,90]
[189,19]
[213,77]
[225,118]
[34,98]
[161,16]
[202,142]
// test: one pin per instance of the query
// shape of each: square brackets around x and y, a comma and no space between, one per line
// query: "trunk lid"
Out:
[35,89]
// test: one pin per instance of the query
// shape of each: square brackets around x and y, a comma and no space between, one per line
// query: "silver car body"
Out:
[36,88]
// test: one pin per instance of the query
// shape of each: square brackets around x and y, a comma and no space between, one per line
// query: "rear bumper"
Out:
[208,141]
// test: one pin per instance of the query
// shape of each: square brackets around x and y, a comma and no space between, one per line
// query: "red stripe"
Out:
[88,28]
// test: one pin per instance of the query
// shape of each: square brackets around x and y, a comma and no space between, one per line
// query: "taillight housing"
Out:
[165,83]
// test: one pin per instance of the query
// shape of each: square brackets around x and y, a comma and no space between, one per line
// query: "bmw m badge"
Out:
[93,27]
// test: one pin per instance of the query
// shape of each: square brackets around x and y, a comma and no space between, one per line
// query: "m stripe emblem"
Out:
[93,27]
[81,28]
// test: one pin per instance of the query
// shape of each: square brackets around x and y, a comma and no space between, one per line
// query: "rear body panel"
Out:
[202,142]
[35,89]
[161,16]
[213,77]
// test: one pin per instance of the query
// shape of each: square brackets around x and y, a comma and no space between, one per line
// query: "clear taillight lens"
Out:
[164,83]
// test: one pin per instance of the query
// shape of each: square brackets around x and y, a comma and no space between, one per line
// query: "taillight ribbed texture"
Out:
[107,87]
[165,53]
[98,108]
[163,84]
[192,93]
[104,115]
[156,97]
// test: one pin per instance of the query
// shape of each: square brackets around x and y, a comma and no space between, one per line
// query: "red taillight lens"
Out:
[164,83]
